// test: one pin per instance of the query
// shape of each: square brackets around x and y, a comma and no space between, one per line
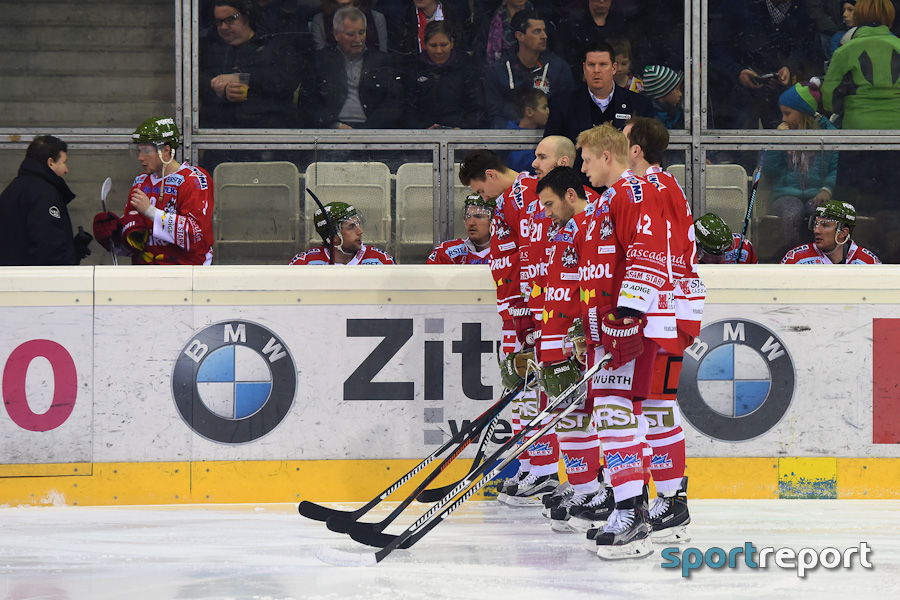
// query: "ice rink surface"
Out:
[485,550]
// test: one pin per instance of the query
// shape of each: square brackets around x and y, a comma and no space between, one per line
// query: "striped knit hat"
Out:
[803,97]
[659,80]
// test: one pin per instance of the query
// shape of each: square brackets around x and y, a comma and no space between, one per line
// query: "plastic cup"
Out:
[244,80]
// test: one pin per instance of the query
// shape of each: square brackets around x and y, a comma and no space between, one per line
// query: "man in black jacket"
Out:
[601,101]
[354,88]
[37,227]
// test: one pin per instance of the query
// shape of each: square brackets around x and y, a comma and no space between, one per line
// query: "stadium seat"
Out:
[257,213]
[365,185]
[725,194]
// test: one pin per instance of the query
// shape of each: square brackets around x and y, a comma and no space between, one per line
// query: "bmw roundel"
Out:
[234,382]
[737,381]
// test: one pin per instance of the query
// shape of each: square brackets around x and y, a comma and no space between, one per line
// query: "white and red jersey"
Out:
[690,292]
[561,303]
[182,232]
[459,252]
[542,229]
[809,254]
[510,234]
[367,255]
[748,253]
[626,262]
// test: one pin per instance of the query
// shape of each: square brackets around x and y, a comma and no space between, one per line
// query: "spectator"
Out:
[826,17]
[757,49]
[322,24]
[596,22]
[496,37]
[476,248]
[599,101]
[442,88]
[861,86]
[717,245]
[284,16]
[410,35]
[34,209]
[355,88]
[271,61]
[663,85]
[168,216]
[531,107]
[832,227]
[846,32]
[342,237]
[527,65]
[624,78]
[801,179]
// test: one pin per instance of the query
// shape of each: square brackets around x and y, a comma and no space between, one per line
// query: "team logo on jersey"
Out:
[606,228]
[234,382]
[540,449]
[502,230]
[617,462]
[570,258]
[737,381]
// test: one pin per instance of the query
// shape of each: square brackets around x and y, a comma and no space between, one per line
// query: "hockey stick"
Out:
[757,173]
[331,230]
[487,471]
[317,512]
[342,524]
[104,191]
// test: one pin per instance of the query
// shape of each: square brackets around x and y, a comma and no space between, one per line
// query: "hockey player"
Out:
[564,200]
[168,217]
[345,242]
[551,152]
[717,245]
[475,249]
[832,226]
[627,310]
[669,516]
[516,201]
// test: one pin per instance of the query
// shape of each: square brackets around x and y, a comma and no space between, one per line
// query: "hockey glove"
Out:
[508,375]
[576,336]
[623,338]
[107,227]
[521,362]
[558,377]
[135,230]
[523,322]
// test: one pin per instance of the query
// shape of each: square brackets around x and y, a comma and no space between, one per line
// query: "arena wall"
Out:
[275,384]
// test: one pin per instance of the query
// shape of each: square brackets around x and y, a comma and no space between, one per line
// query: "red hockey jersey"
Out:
[367,255]
[459,252]
[510,235]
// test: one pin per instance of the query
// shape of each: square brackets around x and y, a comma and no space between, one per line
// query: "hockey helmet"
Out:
[339,212]
[158,131]
[834,210]
[713,235]
[475,204]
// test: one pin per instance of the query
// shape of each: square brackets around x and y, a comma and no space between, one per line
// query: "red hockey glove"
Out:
[592,333]
[623,338]
[523,322]
[135,229]
[107,226]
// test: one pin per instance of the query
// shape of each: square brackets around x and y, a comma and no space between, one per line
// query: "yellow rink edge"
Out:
[217,482]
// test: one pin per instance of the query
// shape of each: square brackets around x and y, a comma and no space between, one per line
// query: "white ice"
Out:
[484,550]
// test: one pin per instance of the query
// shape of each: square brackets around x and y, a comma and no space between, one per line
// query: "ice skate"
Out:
[561,493]
[595,513]
[626,535]
[560,515]
[669,517]
[509,485]
[531,489]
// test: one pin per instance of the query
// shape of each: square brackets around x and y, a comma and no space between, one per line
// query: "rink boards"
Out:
[272,384]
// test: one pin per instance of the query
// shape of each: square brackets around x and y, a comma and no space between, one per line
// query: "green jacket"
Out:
[859,83]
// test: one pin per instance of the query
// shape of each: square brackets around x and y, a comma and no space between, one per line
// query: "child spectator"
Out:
[663,85]
[624,77]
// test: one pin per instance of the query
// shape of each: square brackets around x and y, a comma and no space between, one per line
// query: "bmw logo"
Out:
[737,381]
[234,382]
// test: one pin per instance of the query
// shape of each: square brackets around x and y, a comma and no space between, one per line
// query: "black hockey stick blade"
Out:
[463,438]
